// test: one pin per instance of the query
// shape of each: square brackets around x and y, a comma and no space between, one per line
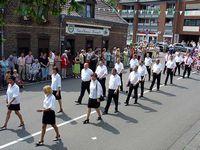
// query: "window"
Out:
[89,44]
[23,43]
[88,11]
[192,22]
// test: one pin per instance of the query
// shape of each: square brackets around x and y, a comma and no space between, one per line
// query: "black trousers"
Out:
[142,86]
[149,72]
[121,87]
[156,77]
[178,65]
[165,68]
[103,84]
[115,97]
[188,70]
[169,73]
[131,88]
[81,66]
[85,85]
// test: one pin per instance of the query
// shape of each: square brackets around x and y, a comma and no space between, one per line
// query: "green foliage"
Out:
[112,3]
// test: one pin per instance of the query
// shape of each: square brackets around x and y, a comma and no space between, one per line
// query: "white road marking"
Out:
[38,133]
[94,138]
[180,78]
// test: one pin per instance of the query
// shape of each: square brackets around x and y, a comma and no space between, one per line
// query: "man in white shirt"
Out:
[120,67]
[170,69]
[142,70]
[178,60]
[56,87]
[133,82]
[134,62]
[157,69]
[113,92]
[167,56]
[188,62]
[86,74]
[21,64]
[102,72]
[148,63]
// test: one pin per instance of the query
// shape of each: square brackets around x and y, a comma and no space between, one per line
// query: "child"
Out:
[17,78]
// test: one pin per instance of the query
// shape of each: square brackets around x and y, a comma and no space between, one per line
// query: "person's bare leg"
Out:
[56,130]
[20,117]
[7,118]
[60,105]
[98,112]
[44,126]
[88,113]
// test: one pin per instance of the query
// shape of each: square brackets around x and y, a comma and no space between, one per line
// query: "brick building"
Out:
[161,20]
[97,25]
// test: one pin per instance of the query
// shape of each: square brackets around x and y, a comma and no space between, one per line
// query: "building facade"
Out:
[166,20]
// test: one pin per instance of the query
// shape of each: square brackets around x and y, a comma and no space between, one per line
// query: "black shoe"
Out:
[141,96]
[57,138]
[21,125]
[60,111]
[165,84]
[158,90]
[116,111]
[104,113]
[40,143]
[99,118]
[150,90]
[133,96]
[136,103]
[86,121]
[126,104]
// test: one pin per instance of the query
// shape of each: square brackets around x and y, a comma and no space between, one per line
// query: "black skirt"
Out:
[15,107]
[92,103]
[49,117]
[59,95]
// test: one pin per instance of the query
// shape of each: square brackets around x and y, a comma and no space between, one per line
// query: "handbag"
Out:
[101,97]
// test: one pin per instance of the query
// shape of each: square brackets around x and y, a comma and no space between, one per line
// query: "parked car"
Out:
[181,47]
[164,47]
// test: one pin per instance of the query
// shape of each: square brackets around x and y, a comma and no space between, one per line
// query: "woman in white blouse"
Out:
[48,114]
[13,102]
[94,97]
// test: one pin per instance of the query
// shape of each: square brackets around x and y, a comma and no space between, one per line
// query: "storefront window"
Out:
[88,11]
[89,44]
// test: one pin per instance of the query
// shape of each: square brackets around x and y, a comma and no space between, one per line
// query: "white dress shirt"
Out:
[13,92]
[167,57]
[178,59]
[55,82]
[95,90]
[147,61]
[171,64]
[142,70]
[49,102]
[101,71]
[119,67]
[134,77]
[134,63]
[86,74]
[157,68]
[188,61]
[114,82]
[21,61]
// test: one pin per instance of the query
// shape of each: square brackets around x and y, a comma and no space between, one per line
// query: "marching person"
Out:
[134,62]
[178,60]
[86,74]
[188,62]
[148,63]
[120,67]
[94,97]
[49,116]
[142,70]
[170,69]
[56,87]
[133,79]
[156,69]
[113,92]
[13,102]
[167,56]
[102,72]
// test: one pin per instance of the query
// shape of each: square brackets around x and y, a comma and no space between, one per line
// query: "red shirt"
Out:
[64,62]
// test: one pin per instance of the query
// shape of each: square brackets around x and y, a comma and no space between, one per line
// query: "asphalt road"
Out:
[160,119]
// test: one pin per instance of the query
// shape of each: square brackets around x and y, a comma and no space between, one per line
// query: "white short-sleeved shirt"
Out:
[114,82]
[95,90]
[86,74]
[119,67]
[147,61]
[55,82]
[13,92]
[188,60]
[101,71]
[134,77]
[134,63]
[49,102]
[171,64]
[157,68]
[142,70]
[178,59]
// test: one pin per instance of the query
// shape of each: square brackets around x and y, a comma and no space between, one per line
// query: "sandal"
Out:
[57,138]
[3,128]
[86,121]
[40,143]
[21,125]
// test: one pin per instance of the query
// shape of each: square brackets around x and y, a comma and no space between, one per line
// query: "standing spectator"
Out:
[51,60]
[93,61]
[108,58]
[64,63]
[35,70]
[11,64]
[125,54]
[13,102]
[58,62]
[15,60]
[1,77]
[4,68]
[49,116]
[94,96]
[82,58]
[44,62]
[18,81]
[76,67]
[21,64]
[29,59]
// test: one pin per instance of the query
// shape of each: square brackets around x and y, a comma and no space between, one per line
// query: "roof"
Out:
[102,12]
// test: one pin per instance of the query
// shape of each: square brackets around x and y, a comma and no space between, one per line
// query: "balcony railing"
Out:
[192,13]
[132,1]
[127,13]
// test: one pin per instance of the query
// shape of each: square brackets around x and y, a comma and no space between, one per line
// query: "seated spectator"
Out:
[18,81]
[35,69]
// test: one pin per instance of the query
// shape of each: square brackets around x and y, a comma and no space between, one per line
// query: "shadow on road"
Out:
[65,117]
[57,146]
[149,109]
[166,93]
[106,126]
[179,86]
[151,100]
[124,117]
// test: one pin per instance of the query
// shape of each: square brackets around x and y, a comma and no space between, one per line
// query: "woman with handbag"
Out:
[94,97]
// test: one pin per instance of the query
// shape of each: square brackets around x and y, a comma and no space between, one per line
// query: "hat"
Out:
[14,70]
